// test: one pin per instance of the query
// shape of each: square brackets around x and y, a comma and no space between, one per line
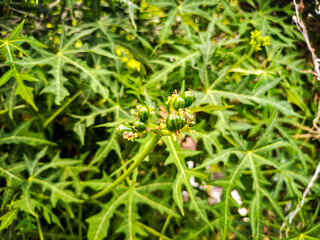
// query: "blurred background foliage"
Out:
[70,72]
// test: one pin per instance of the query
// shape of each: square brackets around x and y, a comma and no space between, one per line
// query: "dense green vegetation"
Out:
[72,70]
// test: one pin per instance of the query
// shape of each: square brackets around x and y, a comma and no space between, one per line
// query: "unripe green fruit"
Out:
[143,114]
[175,122]
[124,128]
[140,126]
[188,98]
[178,103]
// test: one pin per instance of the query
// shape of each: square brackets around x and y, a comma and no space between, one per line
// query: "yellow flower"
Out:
[126,51]
[59,29]
[134,64]
[113,29]
[129,37]
[74,22]
[127,57]
[49,25]
[131,64]
[124,59]
[118,52]
[78,44]
[56,40]
[265,41]
[138,68]
[257,40]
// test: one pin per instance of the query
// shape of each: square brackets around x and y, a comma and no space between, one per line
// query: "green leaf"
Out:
[22,135]
[24,91]
[56,162]
[282,106]
[80,129]
[231,183]
[15,33]
[105,147]
[163,73]
[255,204]
[58,191]
[221,156]
[10,177]
[162,3]
[26,203]
[8,46]
[159,207]
[194,231]
[177,156]
[66,54]
[99,223]
[167,28]
[56,87]
[5,77]
[8,218]
[209,108]
[130,217]
[131,7]
[11,100]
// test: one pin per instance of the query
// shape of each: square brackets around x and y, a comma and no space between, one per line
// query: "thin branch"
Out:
[22,12]
[301,27]
[315,121]
[315,130]
[292,214]
[54,4]
[305,193]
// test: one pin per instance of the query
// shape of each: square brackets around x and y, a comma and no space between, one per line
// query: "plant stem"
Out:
[59,110]
[148,148]
[39,228]
[153,232]
[166,223]
[15,108]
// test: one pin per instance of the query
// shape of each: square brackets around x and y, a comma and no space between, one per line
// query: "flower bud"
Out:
[130,136]
[139,126]
[124,127]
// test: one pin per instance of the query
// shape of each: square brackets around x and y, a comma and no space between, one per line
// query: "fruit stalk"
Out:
[148,148]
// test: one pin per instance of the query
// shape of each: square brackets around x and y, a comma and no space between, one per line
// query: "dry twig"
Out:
[315,130]
[301,27]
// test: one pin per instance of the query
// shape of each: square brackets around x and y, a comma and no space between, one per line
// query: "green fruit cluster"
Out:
[178,120]
[180,117]
[130,131]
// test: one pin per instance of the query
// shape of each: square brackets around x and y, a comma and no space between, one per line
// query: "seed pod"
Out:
[143,114]
[178,103]
[175,122]
[124,128]
[140,126]
[188,98]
